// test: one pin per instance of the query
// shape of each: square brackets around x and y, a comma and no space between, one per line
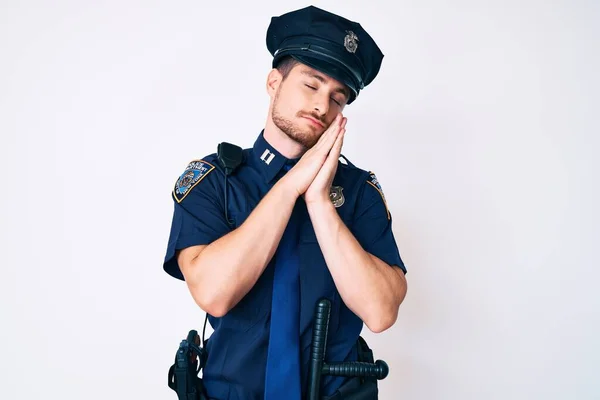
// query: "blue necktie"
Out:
[283,358]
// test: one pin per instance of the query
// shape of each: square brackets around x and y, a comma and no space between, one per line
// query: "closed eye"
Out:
[314,88]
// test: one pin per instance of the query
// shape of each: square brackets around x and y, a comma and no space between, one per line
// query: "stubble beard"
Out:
[307,138]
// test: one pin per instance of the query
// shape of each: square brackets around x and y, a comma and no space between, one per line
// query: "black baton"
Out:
[317,366]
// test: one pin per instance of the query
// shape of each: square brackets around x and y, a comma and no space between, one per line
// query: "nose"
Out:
[321,105]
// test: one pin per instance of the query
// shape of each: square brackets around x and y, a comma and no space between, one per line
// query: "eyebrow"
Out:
[321,79]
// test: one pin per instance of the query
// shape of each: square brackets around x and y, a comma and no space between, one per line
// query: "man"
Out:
[259,247]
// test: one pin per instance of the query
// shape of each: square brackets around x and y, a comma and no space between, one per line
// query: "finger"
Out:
[327,140]
[339,142]
[331,129]
[336,150]
[335,124]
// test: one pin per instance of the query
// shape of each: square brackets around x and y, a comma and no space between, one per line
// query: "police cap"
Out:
[328,43]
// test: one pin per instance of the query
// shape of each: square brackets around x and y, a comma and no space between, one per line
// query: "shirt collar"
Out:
[270,162]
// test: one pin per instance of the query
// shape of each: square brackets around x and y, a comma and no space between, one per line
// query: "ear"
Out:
[273,81]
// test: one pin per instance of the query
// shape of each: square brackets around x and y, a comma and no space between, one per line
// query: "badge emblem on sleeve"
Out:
[193,174]
[373,181]
[336,196]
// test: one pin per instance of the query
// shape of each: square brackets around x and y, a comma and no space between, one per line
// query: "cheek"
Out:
[333,111]
[297,104]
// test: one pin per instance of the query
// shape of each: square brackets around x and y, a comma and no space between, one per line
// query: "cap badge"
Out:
[351,42]
[336,196]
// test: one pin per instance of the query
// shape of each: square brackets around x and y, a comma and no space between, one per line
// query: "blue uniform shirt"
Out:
[237,349]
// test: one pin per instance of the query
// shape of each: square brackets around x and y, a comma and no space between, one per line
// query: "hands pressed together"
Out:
[313,175]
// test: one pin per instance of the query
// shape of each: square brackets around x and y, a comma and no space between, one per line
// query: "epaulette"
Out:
[346,161]
[371,179]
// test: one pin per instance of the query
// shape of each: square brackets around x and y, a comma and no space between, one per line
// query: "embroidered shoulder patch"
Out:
[373,181]
[193,174]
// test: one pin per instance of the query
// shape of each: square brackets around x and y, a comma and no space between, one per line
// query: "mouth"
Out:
[314,122]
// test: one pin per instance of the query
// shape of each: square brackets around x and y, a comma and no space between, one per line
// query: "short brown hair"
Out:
[285,65]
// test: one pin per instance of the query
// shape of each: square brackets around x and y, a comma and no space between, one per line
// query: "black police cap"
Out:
[328,43]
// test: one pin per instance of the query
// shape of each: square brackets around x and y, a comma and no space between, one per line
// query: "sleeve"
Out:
[373,223]
[198,215]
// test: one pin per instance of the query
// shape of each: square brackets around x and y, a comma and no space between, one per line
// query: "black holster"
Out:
[183,374]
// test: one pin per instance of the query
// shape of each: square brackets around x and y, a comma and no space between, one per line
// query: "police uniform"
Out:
[208,205]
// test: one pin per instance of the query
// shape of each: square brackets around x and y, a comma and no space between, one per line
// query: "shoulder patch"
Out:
[373,181]
[193,174]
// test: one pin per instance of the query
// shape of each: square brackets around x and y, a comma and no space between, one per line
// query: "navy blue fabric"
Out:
[283,356]
[238,347]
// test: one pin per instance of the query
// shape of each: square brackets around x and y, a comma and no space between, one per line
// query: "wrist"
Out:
[320,204]
[287,191]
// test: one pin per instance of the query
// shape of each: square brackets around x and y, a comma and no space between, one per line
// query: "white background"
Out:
[482,128]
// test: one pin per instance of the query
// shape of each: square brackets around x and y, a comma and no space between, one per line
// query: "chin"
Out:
[306,139]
